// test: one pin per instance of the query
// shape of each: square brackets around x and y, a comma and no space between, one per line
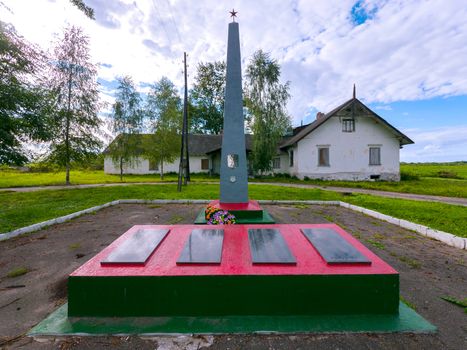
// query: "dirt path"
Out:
[413,196]
[428,270]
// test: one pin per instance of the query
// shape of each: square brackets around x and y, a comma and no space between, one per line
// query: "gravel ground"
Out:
[428,270]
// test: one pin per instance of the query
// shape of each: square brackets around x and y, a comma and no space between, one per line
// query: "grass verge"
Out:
[21,209]
[415,183]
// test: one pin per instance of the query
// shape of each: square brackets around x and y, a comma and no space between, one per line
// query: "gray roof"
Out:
[343,110]
[198,144]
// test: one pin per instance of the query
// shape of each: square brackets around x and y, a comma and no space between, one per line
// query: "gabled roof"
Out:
[198,144]
[343,110]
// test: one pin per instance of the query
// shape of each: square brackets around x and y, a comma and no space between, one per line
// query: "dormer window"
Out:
[348,125]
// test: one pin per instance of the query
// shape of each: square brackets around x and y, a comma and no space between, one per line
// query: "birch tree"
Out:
[127,120]
[266,99]
[76,100]
[163,109]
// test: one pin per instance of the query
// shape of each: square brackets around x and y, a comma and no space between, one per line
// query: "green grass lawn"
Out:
[443,170]
[419,179]
[13,178]
[428,186]
[20,209]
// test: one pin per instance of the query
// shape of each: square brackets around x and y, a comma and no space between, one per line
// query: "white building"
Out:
[349,143]
[204,151]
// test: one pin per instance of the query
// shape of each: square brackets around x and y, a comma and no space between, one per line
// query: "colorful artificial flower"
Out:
[217,216]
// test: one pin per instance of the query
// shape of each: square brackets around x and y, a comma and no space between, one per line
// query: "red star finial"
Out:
[233,14]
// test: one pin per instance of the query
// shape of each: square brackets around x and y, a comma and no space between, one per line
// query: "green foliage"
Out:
[207,98]
[88,11]
[164,111]
[76,101]
[452,300]
[23,99]
[408,303]
[376,244]
[266,99]
[19,271]
[127,122]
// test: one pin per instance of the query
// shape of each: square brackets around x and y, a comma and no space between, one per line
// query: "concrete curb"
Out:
[445,237]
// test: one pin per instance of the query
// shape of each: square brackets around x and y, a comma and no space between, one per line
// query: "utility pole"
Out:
[184,166]
[185,120]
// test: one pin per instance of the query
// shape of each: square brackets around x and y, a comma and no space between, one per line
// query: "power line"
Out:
[173,21]
[161,22]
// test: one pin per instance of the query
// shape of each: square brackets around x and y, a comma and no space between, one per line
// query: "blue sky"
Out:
[407,57]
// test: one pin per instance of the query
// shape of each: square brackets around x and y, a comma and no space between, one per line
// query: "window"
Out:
[291,158]
[375,156]
[153,165]
[348,125]
[323,156]
[276,163]
[204,164]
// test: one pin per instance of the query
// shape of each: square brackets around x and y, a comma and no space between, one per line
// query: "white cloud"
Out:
[383,108]
[404,50]
[436,145]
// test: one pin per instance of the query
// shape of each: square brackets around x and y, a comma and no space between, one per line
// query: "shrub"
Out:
[409,176]
[448,174]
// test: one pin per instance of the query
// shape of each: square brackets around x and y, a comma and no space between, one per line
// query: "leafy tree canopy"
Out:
[266,99]
[88,11]
[127,121]
[164,111]
[23,99]
[73,78]
[207,98]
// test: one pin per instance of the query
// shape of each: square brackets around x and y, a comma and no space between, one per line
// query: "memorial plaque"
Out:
[267,246]
[202,247]
[333,247]
[137,248]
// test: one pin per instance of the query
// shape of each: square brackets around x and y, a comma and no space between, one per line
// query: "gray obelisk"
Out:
[234,175]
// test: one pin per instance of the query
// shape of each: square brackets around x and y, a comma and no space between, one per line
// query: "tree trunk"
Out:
[67,129]
[162,169]
[121,169]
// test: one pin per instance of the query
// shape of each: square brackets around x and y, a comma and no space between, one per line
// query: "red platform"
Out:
[236,257]
[251,205]
[236,286]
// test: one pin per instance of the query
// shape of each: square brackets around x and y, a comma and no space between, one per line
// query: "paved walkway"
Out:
[419,197]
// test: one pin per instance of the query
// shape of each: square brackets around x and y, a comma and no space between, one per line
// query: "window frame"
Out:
[370,158]
[204,160]
[328,163]
[276,162]
[346,122]
[153,168]
[291,158]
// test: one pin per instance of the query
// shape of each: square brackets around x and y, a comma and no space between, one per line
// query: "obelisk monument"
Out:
[234,174]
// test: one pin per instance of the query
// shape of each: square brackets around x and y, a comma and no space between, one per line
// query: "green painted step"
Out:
[242,217]
[220,295]
[406,320]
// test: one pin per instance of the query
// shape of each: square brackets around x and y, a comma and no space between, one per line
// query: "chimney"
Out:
[319,115]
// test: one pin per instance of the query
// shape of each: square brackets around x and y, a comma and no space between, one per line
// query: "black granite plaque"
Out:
[137,248]
[202,247]
[333,247]
[267,246]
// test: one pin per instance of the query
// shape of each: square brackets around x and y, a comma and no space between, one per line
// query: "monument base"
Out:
[245,213]
[59,324]
[233,279]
